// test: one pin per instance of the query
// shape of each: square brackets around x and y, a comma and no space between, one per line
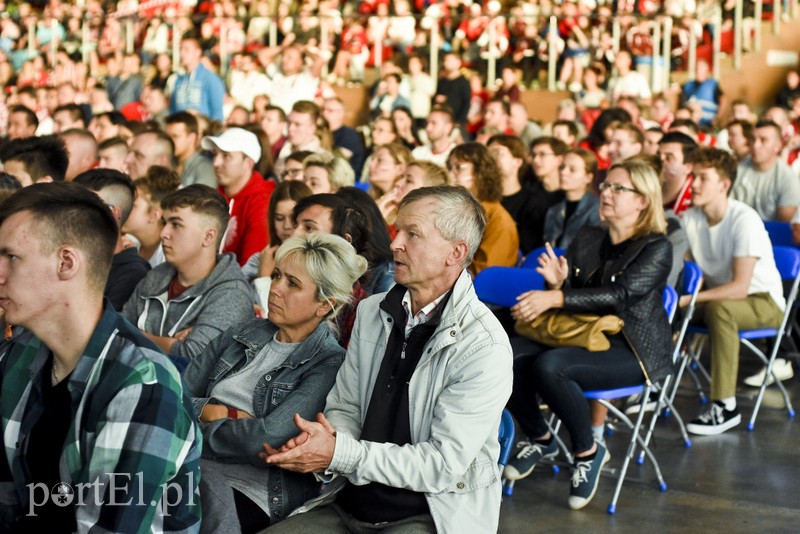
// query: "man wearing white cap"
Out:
[236,152]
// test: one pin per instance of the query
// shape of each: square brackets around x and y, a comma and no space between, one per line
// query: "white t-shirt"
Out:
[632,84]
[767,191]
[739,234]
[425,153]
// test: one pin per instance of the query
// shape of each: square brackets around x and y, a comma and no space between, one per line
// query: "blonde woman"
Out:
[323,173]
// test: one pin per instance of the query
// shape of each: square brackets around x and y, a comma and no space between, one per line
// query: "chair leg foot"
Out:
[612,509]
[751,426]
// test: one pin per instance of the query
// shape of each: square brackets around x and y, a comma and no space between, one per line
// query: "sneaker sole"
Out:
[576,503]
[755,382]
[633,410]
[713,430]
[511,473]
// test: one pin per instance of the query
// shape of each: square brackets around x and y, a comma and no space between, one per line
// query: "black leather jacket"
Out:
[631,288]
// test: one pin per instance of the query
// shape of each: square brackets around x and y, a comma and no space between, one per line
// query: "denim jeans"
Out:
[560,376]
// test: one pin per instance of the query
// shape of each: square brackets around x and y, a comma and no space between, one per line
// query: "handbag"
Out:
[560,328]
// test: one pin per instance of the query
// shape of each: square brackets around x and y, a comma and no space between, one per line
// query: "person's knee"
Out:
[719,313]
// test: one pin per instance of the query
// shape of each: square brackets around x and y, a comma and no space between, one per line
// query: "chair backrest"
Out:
[670,297]
[692,278]
[530,261]
[780,233]
[787,260]
[505,437]
[364,186]
[502,285]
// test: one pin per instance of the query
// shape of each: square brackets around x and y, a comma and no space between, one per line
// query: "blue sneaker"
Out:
[585,476]
[523,463]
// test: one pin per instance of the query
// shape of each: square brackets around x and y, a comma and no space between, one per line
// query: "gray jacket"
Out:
[219,301]
[456,398]
[198,169]
[559,231]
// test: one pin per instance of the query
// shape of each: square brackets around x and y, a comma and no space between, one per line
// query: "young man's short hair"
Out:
[202,200]
[185,118]
[720,160]
[112,142]
[41,156]
[444,108]
[117,188]
[571,127]
[684,123]
[74,111]
[687,143]
[69,214]
[746,126]
[30,117]
[278,110]
[768,124]
[635,131]
[558,146]
[512,143]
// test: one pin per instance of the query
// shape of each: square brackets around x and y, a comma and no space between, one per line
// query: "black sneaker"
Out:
[585,475]
[523,463]
[715,420]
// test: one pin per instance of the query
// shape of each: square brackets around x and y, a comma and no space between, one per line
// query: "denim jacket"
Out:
[298,385]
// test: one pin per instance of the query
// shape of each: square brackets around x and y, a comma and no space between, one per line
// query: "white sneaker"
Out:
[782,369]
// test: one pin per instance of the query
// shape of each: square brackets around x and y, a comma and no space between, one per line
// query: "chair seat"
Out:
[757,333]
[614,393]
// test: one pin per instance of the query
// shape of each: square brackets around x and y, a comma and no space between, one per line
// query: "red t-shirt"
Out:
[247,228]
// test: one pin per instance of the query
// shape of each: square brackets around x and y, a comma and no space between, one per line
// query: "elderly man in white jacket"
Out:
[409,435]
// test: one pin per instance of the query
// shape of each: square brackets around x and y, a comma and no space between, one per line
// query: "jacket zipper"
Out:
[638,358]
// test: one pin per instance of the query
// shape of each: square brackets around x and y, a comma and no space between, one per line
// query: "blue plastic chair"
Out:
[506,437]
[780,233]
[787,260]
[364,186]
[501,286]
[605,396]
[530,261]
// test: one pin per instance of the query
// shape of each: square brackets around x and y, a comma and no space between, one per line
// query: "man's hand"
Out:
[311,451]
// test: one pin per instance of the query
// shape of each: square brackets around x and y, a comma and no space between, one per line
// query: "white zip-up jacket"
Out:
[456,398]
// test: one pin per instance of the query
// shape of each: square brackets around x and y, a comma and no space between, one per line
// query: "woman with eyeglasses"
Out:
[618,269]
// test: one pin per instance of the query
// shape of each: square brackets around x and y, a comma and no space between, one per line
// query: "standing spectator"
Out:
[454,89]
[705,91]
[422,88]
[628,82]
[247,81]
[127,87]
[193,166]
[197,88]
[236,153]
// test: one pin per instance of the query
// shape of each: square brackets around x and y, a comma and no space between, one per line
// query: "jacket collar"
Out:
[256,336]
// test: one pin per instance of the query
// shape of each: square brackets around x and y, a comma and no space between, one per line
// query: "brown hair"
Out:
[293,190]
[488,184]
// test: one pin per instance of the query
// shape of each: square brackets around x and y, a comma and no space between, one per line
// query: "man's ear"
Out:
[210,237]
[117,213]
[348,238]
[154,214]
[69,262]
[45,179]
[458,254]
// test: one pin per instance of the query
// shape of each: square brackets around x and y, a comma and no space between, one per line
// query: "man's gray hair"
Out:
[458,217]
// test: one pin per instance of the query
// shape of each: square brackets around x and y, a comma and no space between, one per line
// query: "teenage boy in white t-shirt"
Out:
[743,289]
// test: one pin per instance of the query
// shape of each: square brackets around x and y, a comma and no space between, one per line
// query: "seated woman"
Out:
[578,207]
[471,166]
[621,270]
[280,226]
[323,173]
[250,381]
[386,166]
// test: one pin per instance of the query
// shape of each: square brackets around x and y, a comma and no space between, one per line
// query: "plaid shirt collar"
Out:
[422,315]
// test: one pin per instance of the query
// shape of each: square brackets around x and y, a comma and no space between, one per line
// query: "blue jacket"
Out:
[299,385]
[200,90]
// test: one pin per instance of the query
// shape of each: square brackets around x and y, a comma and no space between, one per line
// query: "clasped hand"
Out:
[311,451]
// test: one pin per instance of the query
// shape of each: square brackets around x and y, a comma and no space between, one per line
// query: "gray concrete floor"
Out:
[738,481]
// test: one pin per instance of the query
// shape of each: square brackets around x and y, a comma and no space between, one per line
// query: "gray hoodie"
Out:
[219,301]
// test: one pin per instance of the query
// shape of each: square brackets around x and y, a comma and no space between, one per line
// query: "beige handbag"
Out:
[560,328]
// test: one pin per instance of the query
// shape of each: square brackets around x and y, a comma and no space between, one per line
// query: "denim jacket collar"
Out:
[261,333]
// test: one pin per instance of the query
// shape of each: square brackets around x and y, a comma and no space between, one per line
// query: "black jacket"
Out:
[631,288]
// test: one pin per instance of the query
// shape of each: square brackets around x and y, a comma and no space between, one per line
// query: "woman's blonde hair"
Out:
[644,179]
[330,261]
[340,173]
[434,174]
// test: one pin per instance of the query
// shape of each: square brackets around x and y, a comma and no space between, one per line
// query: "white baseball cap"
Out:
[234,140]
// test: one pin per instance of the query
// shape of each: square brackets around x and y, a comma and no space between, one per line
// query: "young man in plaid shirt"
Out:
[98,432]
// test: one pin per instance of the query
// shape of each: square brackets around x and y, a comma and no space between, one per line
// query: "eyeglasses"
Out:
[535,155]
[290,172]
[617,189]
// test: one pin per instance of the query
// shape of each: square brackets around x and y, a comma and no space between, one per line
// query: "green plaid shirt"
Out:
[133,429]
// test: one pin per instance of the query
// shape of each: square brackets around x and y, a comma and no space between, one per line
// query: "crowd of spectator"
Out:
[244,230]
